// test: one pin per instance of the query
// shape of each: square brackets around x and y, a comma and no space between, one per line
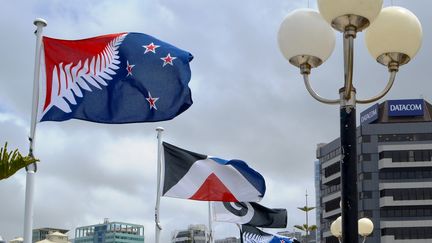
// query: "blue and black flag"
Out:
[251,234]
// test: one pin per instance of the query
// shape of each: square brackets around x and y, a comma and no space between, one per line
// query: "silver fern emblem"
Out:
[69,80]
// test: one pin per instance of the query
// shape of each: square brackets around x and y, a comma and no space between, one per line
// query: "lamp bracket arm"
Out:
[314,94]
[383,92]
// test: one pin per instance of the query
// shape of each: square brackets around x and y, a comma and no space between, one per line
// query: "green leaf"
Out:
[11,162]
[312,228]
[299,227]
[306,209]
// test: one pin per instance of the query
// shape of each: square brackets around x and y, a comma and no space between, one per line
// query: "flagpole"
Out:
[31,169]
[158,227]
[210,222]
[241,234]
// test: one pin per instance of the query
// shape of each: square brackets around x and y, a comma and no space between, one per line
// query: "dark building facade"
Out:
[394,169]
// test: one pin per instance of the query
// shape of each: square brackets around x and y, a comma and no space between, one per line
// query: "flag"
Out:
[116,78]
[252,214]
[251,234]
[190,175]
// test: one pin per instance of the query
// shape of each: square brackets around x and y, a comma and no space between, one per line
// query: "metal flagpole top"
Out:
[40,22]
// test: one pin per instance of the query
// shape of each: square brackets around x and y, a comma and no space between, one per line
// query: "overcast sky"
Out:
[249,103]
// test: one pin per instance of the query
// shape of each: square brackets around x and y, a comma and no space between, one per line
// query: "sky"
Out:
[249,104]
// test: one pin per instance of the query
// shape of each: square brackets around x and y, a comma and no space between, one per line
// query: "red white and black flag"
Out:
[194,176]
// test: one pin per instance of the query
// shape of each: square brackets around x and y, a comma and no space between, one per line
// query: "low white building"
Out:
[17,240]
[55,237]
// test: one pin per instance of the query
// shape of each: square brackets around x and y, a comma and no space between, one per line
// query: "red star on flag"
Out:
[152,101]
[129,68]
[150,48]
[168,60]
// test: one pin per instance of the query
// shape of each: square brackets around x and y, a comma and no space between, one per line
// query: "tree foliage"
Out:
[306,227]
[11,162]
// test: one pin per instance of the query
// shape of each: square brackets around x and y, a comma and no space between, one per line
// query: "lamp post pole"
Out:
[348,167]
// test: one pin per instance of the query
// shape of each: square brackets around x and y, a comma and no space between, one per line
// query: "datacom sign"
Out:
[405,107]
[369,115]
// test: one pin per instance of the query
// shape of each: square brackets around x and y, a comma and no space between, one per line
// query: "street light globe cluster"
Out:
[306,36]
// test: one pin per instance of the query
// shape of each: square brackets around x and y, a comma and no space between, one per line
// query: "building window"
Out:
[408,194]
[403,233]
[332,205]
[366,214]
[330,155]
[406,173]
[365,194]
[407,155]
[365,139]
[332,169]
[404,137]
[365,176]
[330,189]
[407,212]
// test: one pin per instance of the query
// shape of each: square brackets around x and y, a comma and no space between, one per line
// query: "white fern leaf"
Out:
[69,80]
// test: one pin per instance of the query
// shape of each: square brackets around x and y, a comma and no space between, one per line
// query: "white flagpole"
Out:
[241,235]
[31,169]
[158,227]
[210,222]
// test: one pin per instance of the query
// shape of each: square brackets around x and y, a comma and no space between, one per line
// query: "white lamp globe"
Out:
[336,227]
[305,33]
[396,30]
[331,9]
[365,227]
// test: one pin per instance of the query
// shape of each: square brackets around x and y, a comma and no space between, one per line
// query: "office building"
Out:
[394,168]
[110,232]
[194,233]
[42,233]
[317,198]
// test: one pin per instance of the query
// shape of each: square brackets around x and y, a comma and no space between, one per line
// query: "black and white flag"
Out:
[250,214]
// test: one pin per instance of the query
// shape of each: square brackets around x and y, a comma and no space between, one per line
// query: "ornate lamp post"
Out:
[393,37]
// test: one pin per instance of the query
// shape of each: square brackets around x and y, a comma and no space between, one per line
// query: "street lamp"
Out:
[365,228]
[306,39]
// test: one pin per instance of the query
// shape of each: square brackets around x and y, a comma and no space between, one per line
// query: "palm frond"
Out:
[11,162]
[300,227]
[312,228]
